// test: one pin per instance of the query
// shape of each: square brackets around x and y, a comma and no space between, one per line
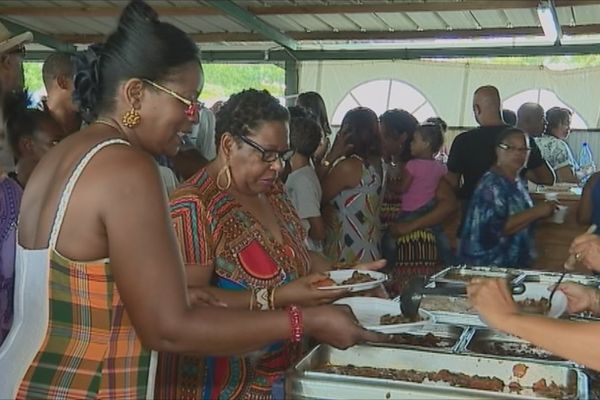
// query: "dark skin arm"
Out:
[446,205]
[521,220]
[584,210]
[186,163]
[565,174]
[317,228]
[542,175]
[345,175]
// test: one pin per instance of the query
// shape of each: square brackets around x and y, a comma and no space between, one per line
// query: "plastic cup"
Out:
[551,196]
[560,215]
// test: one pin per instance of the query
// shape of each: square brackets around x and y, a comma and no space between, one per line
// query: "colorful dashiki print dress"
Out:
[214,230]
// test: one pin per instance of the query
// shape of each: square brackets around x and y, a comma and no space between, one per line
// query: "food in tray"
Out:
[466,277]
[552,390]
[427,340]
[511,349]
[456,379]
[358,277]
[531,306]
[389,319]
[519,370]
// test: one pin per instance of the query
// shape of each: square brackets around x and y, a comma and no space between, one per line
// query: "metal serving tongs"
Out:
[569,266]
[411,297]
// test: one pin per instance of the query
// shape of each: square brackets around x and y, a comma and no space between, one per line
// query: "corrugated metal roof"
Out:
[359,19]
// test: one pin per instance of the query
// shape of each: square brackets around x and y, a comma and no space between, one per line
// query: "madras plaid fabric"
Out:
[91,350]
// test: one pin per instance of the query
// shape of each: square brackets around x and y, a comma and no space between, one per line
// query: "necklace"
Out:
[112,124]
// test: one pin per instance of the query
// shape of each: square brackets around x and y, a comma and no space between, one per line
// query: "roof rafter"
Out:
[39,37]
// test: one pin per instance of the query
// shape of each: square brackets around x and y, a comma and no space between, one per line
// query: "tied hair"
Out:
[87,81]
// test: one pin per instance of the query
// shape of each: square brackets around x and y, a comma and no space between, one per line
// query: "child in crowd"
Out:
[418,185]
[302,185]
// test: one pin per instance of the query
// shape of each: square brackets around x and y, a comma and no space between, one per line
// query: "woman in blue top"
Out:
[588,211]
[499,219]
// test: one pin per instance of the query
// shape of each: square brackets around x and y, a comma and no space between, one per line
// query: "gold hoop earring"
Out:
[227,171]
[131,118]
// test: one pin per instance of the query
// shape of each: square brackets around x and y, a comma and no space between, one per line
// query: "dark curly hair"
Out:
[246,111]
[363,132]
[125,55]
[305,135]
[397,122]
[315,103]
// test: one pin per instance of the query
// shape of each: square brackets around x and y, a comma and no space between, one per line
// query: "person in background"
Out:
[203,134]
[352,191]
[554,147]
[575,341]
[531,120]
[588,209]
[509,117]
[302,184]
[103,279]
[31,134]
[313,102]
[442,154]
[57,73]
[242,241]
[419,182]
[397,128]
[473,152]
[12,53]
[498,223]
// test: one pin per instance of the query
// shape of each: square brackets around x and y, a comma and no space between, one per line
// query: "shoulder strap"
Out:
[73,178]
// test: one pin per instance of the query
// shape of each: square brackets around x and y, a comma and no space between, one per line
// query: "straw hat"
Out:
[9,41]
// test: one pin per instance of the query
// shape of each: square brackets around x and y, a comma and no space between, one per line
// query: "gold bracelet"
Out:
[272,299]
[251,300]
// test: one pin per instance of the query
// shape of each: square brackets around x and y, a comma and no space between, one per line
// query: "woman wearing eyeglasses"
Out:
[242,241]
[498,224]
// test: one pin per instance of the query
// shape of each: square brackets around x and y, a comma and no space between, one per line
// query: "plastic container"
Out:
[586,163]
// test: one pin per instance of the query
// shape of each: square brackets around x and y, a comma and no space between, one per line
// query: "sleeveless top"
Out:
[71,336]
[353,230]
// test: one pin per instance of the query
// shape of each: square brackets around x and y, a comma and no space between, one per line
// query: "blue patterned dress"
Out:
[483,242]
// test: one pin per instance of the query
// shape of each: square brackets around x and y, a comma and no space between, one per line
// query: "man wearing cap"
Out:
[11,82]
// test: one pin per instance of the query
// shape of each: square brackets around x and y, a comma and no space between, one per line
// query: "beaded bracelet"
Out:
[296,323]
[272,299]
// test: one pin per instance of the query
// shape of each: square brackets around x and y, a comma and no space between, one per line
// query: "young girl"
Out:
[418,185]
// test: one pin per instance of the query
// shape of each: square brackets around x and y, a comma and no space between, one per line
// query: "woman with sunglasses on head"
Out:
[250,251]
[99,278]
[498,224]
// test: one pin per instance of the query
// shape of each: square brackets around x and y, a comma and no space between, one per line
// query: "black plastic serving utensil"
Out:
[411,297]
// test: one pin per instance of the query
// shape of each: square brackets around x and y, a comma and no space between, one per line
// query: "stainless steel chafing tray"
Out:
[490,342]
[449,335]
[451,310]
[462,274]
[552,277]
[305,382]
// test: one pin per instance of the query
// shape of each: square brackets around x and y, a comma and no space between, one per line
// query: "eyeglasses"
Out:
[508,147]
[269,156]
[193,106]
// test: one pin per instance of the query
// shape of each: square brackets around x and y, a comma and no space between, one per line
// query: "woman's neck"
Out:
[298,161]
[510,173]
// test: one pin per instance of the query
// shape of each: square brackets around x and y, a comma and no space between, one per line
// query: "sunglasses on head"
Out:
[193,106]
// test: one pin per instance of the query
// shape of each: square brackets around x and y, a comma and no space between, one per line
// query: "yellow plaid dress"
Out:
[79,342]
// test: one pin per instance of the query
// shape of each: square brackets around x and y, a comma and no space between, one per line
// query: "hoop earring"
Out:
[227,171]
[131,118]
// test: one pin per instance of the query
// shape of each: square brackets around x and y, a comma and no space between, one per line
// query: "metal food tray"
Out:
[451,310]
[552,277]
[497,344]
[303,382]
[451,337]
[459,274]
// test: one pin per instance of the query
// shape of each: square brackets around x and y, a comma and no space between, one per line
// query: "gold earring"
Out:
[227,171]
[131,118]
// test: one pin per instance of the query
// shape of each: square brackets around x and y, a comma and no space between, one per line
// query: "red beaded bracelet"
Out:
[296,323]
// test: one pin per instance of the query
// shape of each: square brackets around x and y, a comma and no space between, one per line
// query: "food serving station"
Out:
[451,353]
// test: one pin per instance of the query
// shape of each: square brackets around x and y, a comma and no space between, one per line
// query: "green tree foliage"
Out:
[221,80]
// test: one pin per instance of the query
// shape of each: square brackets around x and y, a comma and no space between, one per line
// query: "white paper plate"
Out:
[369,310]
[341,275]
[537,291]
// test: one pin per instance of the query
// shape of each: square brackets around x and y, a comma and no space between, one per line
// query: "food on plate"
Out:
[389,319]
[531,306]
[325,282]
[358,277]
[519,370]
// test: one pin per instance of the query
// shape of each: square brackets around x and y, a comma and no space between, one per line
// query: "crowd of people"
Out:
[168,249]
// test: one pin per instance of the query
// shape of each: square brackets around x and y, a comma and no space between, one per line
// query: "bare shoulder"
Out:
[348,165]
